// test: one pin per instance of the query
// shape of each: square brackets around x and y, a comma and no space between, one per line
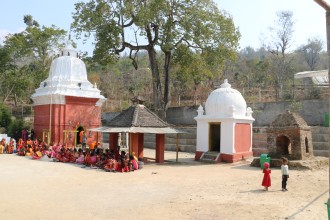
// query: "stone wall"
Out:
[312,111]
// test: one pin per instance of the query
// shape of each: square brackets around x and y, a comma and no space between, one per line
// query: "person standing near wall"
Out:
[84,140]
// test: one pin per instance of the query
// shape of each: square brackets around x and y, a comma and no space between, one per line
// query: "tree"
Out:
[136,25]
[28,58]
[311,52]
[282,34]
[5,117]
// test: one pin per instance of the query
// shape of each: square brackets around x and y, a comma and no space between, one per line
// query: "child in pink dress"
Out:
[266,182]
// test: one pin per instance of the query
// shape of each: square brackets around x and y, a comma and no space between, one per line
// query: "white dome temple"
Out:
[224,132]
[67,76]
[66,103]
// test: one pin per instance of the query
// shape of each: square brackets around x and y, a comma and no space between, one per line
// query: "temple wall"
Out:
[242,137]
[76,112]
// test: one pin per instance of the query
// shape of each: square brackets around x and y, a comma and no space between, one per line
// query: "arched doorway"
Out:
[283,145]
[79,134]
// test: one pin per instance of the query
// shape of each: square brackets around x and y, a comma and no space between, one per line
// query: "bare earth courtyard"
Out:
[185,190]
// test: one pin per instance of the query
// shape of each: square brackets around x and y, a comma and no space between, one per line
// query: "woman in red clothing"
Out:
[266,182]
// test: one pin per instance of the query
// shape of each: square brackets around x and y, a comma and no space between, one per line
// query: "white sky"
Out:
[255,16]
[252,17]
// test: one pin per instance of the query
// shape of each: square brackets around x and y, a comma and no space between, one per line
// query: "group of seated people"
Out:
[7,148]
[36,149]
[108,159]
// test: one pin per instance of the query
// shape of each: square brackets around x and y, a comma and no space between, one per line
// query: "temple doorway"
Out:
[214,137]
[283,145]
[80,130]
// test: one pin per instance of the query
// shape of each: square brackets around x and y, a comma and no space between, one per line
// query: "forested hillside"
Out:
[181,66]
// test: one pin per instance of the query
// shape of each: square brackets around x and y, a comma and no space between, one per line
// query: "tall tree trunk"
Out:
[156,84]
[166,81]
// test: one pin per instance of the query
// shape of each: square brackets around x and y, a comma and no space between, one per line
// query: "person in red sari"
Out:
[67,156]
[60,155]
[266,182]
[88,160]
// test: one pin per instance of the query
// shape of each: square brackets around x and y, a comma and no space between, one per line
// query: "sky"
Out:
[252,17]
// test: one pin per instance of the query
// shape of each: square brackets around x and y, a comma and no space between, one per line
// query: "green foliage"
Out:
[196,24]
[5,117]
[16,125]
[26,59]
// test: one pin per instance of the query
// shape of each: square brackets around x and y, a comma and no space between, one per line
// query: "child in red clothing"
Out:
[266,180]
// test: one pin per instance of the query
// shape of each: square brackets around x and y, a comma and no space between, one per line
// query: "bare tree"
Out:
[282,34]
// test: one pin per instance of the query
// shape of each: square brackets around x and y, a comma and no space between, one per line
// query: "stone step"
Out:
[210,157]
[172,147]
[319,130]
[208,161]
[320,145]
[181,141]
[180,138]
[173,141]
[320,137]
[191,135]
[322,153]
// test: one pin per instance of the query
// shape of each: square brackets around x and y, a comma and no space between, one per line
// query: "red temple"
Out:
[66,103]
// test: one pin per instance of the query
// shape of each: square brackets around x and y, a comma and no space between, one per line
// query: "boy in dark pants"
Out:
[285,173]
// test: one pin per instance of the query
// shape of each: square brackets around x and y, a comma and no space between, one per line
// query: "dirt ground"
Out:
[185,190]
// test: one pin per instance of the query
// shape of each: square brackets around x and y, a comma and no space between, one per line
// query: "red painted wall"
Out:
[242,137]
[76,112]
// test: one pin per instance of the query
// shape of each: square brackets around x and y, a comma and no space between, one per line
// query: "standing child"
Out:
[285,173]
[266,180]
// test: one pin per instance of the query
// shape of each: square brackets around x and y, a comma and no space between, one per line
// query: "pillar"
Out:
[134,145]
[141,146]
[113,141]
[160,139]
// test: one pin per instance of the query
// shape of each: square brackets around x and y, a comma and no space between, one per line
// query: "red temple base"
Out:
[231,158]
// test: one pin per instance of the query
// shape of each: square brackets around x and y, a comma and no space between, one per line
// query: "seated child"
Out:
[111,166]
[134,164]
[37,155]
[81,157]
[29,151]
[93,159]
[88,161]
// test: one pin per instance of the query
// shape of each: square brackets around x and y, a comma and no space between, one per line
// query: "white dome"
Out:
[225,102]
[67,77]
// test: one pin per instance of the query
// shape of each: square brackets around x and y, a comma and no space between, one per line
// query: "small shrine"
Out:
[66,104]
[289,136]
[224,132]
[136,121]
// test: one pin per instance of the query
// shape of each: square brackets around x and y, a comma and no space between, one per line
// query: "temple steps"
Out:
[321,153]
[320,139]
[186,141]
[320,145]
[210,157]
